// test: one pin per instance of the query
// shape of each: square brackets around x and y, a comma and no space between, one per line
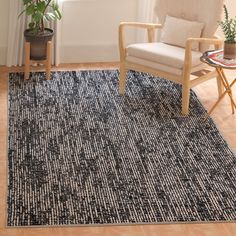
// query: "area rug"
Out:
[80,154]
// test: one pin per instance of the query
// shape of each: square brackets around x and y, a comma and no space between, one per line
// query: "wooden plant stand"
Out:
[47,62]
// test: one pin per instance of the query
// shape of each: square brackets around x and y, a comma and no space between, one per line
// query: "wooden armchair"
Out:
[176,56]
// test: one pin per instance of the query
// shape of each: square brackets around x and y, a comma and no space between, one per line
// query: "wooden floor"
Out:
[225,121]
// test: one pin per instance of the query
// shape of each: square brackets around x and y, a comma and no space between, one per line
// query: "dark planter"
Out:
[38,43]
[229,50]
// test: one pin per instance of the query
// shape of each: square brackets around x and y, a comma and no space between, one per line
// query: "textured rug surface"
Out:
[81,154]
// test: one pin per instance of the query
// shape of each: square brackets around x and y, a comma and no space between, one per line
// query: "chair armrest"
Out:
[150,29]
[188,50]
[211,41]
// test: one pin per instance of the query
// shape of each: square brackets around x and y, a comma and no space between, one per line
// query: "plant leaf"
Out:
[37,16]
[25,2]
[30,9]
[21,13]
[31,25]
[50,16]
[41,6]
[58,14]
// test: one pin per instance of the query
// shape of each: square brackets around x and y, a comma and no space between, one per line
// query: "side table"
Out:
[215,58]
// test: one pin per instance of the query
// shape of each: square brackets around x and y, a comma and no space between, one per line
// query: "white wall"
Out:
[4,9]
[89,29]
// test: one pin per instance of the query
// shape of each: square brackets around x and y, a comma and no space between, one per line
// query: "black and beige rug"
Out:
[81,154]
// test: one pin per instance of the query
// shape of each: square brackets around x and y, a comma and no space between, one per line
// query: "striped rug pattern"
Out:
[81,154]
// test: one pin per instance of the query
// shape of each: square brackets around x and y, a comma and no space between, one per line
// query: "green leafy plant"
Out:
[228,26]
[41,11]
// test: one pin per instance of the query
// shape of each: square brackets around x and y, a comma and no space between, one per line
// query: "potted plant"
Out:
[228,26]
[40,12]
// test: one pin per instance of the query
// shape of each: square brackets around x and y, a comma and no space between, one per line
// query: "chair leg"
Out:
[122,81]
[27,61]
[48,60]
[185,96]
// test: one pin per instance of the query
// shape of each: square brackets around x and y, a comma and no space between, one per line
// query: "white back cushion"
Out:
[176,31]
[206,11]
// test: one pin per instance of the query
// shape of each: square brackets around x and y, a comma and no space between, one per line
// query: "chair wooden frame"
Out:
[47,62]
[184,79]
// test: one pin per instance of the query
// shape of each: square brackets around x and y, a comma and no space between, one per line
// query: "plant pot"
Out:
[38,43]
[229,50]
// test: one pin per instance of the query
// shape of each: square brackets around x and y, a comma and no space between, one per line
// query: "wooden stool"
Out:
[47,62]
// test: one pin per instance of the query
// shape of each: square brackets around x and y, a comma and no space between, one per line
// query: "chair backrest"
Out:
[206,11]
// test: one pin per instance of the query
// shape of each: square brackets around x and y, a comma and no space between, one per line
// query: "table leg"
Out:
[214,106]
[227,90]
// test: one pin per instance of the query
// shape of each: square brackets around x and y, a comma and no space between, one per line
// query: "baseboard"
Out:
[89,53]
[3,55]
[80,53]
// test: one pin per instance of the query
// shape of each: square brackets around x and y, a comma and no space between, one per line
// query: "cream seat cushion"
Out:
[161,54]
